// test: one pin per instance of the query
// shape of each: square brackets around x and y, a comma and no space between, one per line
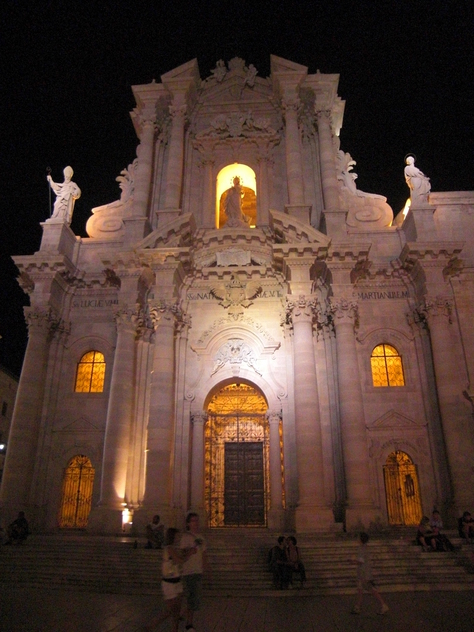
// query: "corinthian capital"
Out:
[290,103]
[127,319]
[198,417]
[39,319]
[163,312]
[178,111]
[304,309]
[438,307]
[273,416]
[343,310]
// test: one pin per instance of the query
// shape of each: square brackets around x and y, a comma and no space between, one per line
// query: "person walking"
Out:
[193,567]
[364,577]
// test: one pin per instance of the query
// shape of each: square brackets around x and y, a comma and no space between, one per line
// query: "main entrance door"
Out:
[244,491]
[76,498]
[402,490]
[236,458]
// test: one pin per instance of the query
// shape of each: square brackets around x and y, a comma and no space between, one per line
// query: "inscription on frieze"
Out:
[379,295]
[94,303]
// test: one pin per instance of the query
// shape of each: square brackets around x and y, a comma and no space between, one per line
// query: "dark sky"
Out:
[406,74]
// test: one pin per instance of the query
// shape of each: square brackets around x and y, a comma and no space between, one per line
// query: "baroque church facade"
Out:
[244,333]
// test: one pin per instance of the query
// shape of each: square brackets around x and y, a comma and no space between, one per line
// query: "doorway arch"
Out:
[402,489]
[76,498]
[237,446]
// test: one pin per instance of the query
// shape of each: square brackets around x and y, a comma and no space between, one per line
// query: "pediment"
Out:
[174,234]
[81,424]
[393,419]
[292,231]
[279,64]
[186,73]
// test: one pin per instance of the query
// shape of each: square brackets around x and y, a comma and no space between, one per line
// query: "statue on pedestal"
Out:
[417,182]
[67,193]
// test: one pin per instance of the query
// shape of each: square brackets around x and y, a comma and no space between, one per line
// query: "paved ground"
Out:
[41,610]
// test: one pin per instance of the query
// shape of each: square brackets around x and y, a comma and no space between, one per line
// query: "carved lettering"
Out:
[94,303]
[389,294]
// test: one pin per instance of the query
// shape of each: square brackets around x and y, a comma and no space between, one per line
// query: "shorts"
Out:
[193,590]
[365,584]
[171,591]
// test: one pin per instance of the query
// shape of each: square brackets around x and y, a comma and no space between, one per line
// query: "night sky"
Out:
[406,74]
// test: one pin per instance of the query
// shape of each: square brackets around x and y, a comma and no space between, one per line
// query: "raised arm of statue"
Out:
[417,182]
[67,193]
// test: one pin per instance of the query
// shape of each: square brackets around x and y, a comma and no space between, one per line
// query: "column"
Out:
[23,440]
[294,164]
[119,415]
[198,420]
[312,512]
[455,411]
[162,411]
[208,199]
[275,518]
[143,173]
[353,432]
[263,193]
[327,159]
[174,171]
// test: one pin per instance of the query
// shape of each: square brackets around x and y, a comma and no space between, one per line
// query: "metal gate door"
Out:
[77,493]
[244,485]
[402,490]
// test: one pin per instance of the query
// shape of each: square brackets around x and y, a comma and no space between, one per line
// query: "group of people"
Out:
[429,535]
[17,531]
[285,562]
[183,565]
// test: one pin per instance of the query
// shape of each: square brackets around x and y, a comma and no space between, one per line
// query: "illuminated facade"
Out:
[245,333]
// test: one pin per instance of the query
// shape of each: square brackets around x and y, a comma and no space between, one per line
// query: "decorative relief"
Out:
[304,309]
[269,342]
[236,296]
[235,352]
[238,124]
[344,310]
[437,306]
[37,318]
[127,319]
[273,416]
[199,417]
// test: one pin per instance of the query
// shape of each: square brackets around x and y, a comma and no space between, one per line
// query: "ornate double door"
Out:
[402,490]
[236,458]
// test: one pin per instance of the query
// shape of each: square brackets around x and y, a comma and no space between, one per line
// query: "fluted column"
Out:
[455,413]
[144,167]
[353,432]
[198,420]
[310,512]
[174,171]
[119,413]
[162,411]
[26,420]
[274,418]
[208,201]
[294,163]
[327,159]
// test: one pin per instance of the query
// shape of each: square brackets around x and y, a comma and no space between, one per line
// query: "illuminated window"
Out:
[248,184]
[90,373]
[387,368]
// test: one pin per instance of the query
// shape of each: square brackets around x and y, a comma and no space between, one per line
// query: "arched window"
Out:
[90,373]
[248,191]
[387,368]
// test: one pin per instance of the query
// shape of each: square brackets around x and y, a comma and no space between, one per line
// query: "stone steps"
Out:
[238,561]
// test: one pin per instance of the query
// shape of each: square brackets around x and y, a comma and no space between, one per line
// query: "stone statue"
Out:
[219,71]
[233,205]
[417,182]
[67,193]
[250,76]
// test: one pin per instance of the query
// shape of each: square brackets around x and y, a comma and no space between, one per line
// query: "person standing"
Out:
[364,577]
[193,567]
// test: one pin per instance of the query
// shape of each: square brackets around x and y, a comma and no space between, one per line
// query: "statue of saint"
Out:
[67,193]
[233,205]
[417,182]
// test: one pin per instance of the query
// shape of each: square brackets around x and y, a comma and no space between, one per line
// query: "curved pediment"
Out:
[178,232]
[290,230]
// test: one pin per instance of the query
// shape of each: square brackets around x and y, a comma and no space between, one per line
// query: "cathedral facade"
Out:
[245,333]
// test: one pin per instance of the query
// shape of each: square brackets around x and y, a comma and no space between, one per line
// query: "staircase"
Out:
[238,559]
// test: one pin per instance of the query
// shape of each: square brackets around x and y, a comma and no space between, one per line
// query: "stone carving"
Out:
[67,193]
[417,182]
[106,221]
[219,71]
[235,296]
[233,257]
[250,76]
[365,210]
[237,124]
[236,352]
[233,206]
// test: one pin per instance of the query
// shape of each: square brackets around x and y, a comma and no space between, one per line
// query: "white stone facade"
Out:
[293,303]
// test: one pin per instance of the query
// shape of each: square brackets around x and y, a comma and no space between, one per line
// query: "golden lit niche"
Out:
[248,182]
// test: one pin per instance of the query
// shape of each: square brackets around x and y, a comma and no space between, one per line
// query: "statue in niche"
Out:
[417,182]
[233,206]
[67,193]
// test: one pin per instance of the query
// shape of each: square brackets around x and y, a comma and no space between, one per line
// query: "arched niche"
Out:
[248,182]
